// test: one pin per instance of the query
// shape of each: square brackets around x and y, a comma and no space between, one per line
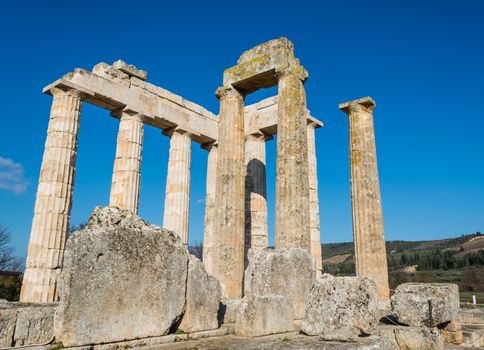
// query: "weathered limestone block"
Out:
[8,319]
[131,70]
[410,303]
[26,324]
[452,333]
[229,308]
[289,273]
[122,279]
[203,299]
[264,315]
[412,338]
[341,308]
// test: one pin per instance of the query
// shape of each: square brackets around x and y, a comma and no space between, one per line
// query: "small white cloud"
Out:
[12,176]
[200,200]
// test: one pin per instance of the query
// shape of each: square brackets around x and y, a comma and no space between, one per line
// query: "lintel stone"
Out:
[131,70]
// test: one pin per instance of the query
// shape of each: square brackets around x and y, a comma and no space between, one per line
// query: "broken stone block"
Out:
[452,333]
[341,308]
[203,299]
[129,69]
[228,310]
[264,315]
[122,279]
[35,325]
[410,303]
[289,273]
[8,319]
[26,324]
[412,338]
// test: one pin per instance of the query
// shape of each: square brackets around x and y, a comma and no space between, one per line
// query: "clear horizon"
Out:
[422,63]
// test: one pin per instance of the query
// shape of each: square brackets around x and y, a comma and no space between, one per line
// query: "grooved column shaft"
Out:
[229,197]
[370,251]
[177,199]
[313,199]
[255,193]
[53,201]
[292,187]
[209,228]
[127,165]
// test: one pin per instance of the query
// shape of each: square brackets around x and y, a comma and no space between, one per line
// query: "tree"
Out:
[8,260]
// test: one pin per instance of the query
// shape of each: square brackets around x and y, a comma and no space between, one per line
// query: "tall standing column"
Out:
[229,197]
[313,198]
[370,251]
[127,165]
[255,192]
[53,201]
[209,227]
[177,199]
[292,181]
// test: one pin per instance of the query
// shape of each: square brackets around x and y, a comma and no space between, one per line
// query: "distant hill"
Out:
[457,260]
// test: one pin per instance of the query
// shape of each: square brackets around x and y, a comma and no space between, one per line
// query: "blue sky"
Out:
[422,61]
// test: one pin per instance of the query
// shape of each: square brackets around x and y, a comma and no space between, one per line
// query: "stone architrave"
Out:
[209,226]
[368,232]
[177,199]
[292,179]
[127,165]
[256,232]
[230,195]
[53,201]
[313,198]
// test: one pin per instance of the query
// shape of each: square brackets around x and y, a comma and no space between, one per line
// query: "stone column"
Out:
[209,227]
[370,251]
[229,197]
[127,165]
[53,201]
[255,193]
[313,198]
[177,199]
[292,179]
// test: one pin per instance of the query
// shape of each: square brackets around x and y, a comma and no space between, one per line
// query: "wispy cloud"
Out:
[200,200]
[12,176]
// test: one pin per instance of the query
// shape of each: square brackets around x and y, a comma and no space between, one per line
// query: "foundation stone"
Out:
[410,303]
[264,315]
[203,299]
[122,279]
[341,308]
[289,273]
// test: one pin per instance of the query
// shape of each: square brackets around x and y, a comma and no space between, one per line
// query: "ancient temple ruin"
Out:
[121,282]
[236,203]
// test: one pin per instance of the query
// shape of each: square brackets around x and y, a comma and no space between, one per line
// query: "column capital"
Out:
[169,132]
[299,71]
[62,86]
[227,91]
[260,134]
[209,145]
[362,104]
[126,111]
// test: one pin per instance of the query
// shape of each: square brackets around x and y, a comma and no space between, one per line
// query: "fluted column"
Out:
[229,197]
[127,165]
[53,201]
[313,198]
[209,226]
[368,232]
[255,192]
[292,181]
[177,199]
